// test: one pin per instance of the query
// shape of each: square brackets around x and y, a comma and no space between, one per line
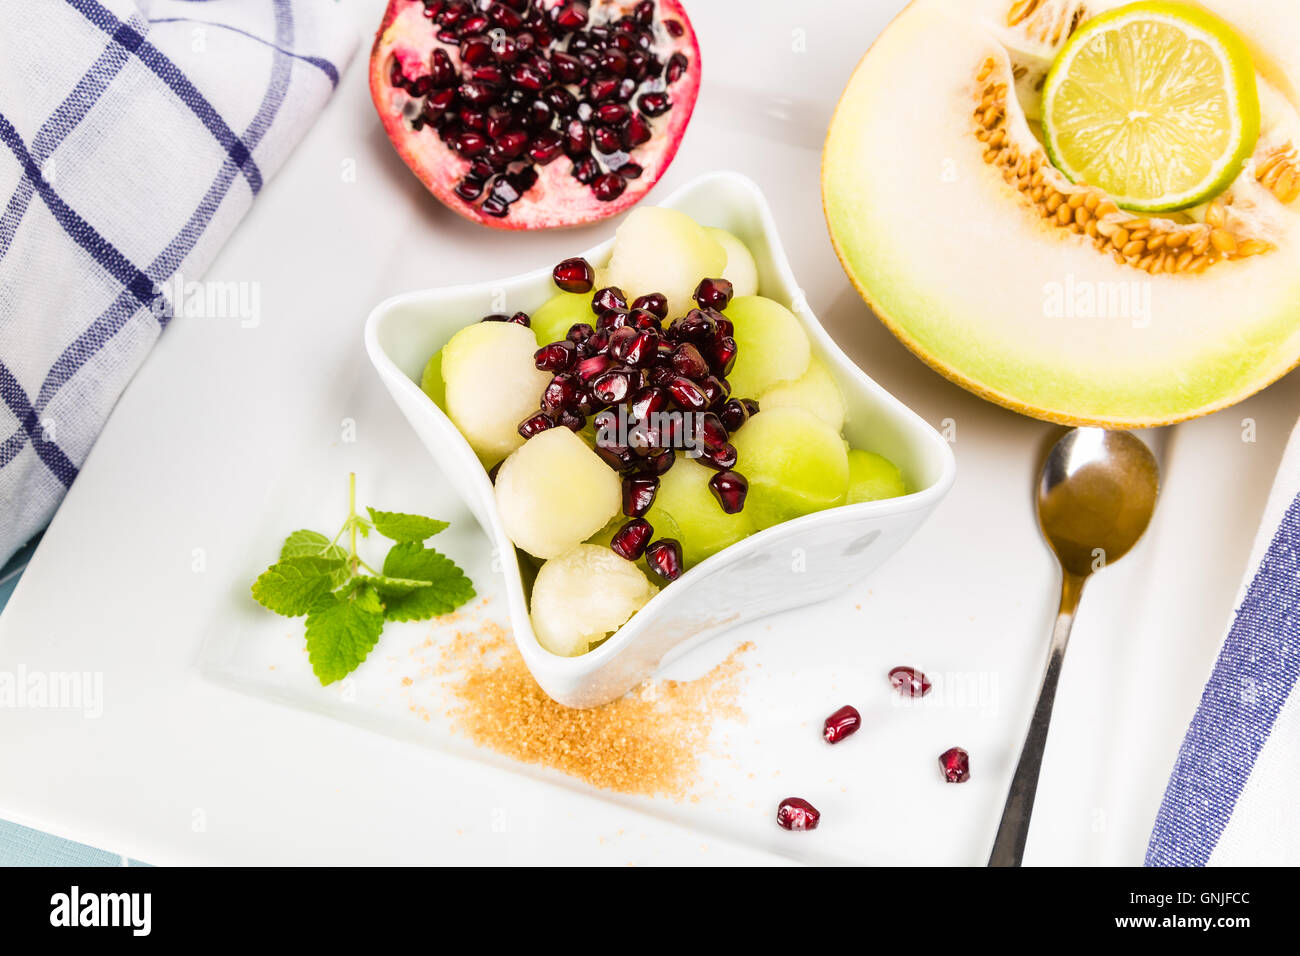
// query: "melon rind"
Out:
[965,276]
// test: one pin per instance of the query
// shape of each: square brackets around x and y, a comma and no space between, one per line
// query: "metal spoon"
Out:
[1095,499]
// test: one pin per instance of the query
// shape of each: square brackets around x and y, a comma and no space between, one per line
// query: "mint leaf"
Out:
[291,587]
[448,588]
[310,543]
[405,527]
[341,630]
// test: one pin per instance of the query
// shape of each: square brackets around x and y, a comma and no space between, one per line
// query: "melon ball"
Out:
[815,391]
[431,382]
[553,319]
[583,596]
[492,385]
[873,477]
[796,464]
[686,509]
[555,492]
[663,250]
[741,270]
[771,345]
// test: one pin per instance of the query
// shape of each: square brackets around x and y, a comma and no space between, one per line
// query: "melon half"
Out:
[1038,293]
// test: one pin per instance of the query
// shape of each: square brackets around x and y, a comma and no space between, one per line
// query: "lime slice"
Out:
[1155,103]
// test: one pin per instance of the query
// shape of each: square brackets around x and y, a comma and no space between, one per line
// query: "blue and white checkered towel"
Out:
[1234,798]
[134,135]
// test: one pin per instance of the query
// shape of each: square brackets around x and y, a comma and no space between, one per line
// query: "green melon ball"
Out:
[431,382]
[492,385]
[553,319]
[685,509]
[771,345]
[741,270]
[872,477]
[663,250]
[796,464]
[815,391]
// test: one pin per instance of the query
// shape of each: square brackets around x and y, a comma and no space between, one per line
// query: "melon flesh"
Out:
[969,277]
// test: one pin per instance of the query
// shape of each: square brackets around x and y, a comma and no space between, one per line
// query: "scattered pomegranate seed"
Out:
[841,724]
[555,357]
[654,302]
[796,813]
[610,297]
[574,275]
[713,293]
[955,764]
[909,682]
[535,425]
[639,495]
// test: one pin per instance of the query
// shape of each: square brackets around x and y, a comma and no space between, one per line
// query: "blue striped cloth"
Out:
[1234,798]
[134,135]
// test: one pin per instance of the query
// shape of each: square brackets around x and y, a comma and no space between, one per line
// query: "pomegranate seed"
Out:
[654,104]
[475,24]
[657,465]
[664,558]
[535,425]
[696,326]
[632,346]
[593,367]
[470,143]
[561,392]
[606,140]
[654,303]
[506,17]
[724,355]
[630,170]
[474,52]
[688,361]
[612,114]
[733,414]
[586,170]
[677,63]
[608,298]
[716,390]
[687,394]
[636,133]
[612,387]
[724,459]
[713,293]
[796,813]
[648,401]
[711,432]
[630,540]
[751,406]
[512,145]
[574,275]
[909,682]
[955,764]
[639,495]
[609,187]
[841,724]
[611,320]
[644,320]
[571,16]
[644,12]
[730,488]
[546,148]
[617,457]
[555,357]
[496,317]
[441,70]
[521,318]
[567,68]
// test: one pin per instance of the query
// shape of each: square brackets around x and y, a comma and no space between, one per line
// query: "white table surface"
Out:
[974,592]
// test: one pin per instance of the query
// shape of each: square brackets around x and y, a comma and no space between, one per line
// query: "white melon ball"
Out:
[555,492]
[492,385]
[663,250]
[815,391]
[741,270]
[583,596]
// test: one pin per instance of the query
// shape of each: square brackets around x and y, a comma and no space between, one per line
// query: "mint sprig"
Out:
[346,600]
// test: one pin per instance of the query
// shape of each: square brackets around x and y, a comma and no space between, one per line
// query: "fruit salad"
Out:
[655,410]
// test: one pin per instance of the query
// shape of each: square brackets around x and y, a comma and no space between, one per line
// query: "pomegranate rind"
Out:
[936,243]
[556,200]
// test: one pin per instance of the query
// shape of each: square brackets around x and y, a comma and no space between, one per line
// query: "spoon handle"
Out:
[1013,831]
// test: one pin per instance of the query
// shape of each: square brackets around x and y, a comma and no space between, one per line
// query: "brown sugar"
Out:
[648,742]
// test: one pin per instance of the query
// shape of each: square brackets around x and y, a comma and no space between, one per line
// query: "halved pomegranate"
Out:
[533,114]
